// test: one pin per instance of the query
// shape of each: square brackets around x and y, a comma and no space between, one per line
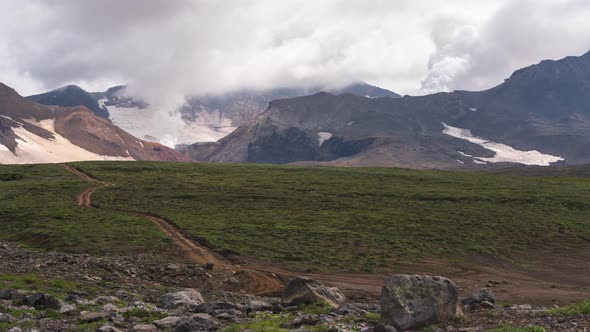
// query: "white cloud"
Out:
[172,48]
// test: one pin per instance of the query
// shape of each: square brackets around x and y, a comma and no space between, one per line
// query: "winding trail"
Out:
[263,282]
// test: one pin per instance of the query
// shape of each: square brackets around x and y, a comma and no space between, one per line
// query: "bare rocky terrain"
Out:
[141,293]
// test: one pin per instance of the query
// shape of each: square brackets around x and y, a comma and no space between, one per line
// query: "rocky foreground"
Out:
[61,292]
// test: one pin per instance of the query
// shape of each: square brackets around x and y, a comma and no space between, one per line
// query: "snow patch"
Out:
[101,102]
[323,136]
[350,123]
[503,153]
[33,149]
[147,123]
[473,109]
[460,162]
[120,139]
[475,159]
[9,118]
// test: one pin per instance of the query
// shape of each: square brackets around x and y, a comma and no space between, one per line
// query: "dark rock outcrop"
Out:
[304,290]
[413,301]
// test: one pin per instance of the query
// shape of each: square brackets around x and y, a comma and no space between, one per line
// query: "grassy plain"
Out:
[329,219]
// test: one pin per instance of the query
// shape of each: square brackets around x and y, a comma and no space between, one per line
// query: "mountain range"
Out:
[206,118]
[538,116]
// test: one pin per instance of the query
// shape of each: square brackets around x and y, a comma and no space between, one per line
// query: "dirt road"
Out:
[553,278]
[262,282]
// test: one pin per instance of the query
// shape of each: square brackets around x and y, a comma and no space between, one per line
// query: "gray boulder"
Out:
[196,322]
[108,328]
[304,290]
[106,299]
[211,307]
[6,318]
[13,294]
[481,295]
[254,306]
[89,317]
[384,328]
[144,328]
[168,322]
[413,301]
[184,298]
[43,301]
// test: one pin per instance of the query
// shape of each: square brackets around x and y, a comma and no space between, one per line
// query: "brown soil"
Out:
[542,278]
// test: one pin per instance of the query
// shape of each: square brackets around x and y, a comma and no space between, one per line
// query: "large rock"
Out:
[481,295]
[196,322]
[184,298]
[43,301]
[304,290]
[413,301]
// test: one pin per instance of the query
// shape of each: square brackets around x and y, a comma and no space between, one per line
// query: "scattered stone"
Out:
[521,307]
[108,328]
[6,318]
[481,295]
[304,290]
[413,301]
[186,298]
[68,309]
[43,301]
[89,317]
[196,322]
[301,321]
[487,305]
[384,328]
[13,294]
[105,299]
[209,266]
[116,317]
[353,308]
[144,328]
[254,306]
[109,307]
[168,322]
[15,329]
[211,307]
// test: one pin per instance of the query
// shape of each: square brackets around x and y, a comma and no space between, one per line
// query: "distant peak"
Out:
[5,90]
[70,87]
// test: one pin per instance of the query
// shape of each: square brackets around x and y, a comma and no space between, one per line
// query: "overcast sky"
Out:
[177,47]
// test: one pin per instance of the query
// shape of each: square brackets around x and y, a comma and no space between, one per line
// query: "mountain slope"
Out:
[71,96]
[240,108]
[34,133]
[539,116]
